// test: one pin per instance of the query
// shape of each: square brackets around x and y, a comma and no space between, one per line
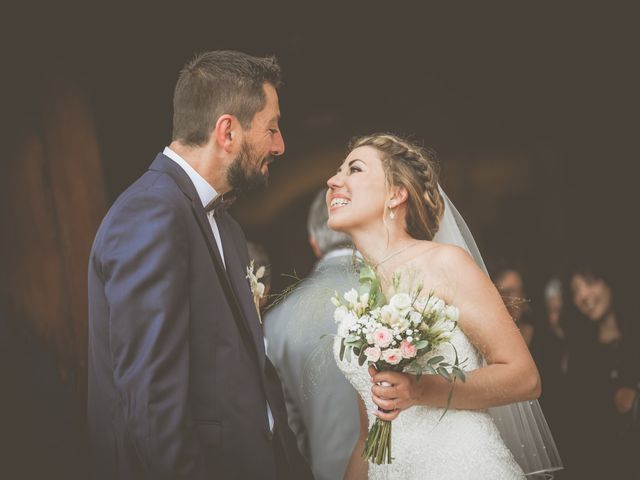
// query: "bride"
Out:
[385,195]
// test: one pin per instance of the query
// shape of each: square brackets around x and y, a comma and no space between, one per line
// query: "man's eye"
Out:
[273,131]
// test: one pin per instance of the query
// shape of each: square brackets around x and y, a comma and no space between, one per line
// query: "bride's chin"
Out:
[336,225]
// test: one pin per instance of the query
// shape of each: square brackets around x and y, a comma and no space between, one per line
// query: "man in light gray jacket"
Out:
[321,403]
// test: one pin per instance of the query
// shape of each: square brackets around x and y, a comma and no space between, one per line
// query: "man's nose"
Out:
[278,144]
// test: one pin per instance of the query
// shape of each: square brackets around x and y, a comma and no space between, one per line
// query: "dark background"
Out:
[532,107]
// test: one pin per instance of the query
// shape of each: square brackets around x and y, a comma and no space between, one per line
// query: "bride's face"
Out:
[357,192]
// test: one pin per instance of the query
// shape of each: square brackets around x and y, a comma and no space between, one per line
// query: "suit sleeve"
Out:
[145,268]
[276,331]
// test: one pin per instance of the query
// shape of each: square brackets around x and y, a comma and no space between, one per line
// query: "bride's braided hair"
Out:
[414,168]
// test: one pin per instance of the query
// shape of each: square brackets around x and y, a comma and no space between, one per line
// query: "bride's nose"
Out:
[335,181]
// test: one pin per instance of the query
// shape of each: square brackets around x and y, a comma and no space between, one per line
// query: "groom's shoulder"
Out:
[152,196]
[151,185]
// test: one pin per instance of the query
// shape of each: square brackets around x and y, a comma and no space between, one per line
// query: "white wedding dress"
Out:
[464,445]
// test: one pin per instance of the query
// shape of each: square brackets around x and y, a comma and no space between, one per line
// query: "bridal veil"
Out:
[522,425]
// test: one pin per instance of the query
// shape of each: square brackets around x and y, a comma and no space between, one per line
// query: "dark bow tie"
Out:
[220,203]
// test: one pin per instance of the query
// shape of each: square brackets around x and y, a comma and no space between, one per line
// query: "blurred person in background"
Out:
[604,371]
[551,354]
[321,404]
[510,283]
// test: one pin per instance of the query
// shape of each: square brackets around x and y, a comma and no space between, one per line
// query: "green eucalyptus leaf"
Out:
[460,374]
[436,359]
[430,370]
[444,374]
[362,358]
[448,404]
[367,275]
[342,349]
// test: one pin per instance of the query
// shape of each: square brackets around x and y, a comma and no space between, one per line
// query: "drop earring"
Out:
[392,214]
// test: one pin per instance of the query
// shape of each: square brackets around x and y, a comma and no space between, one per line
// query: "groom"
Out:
[179,385]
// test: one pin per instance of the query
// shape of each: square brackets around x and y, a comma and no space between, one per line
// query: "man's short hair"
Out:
[217,83]
[326,238]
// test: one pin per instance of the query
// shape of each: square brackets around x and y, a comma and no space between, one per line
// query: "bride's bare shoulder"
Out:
[443,256]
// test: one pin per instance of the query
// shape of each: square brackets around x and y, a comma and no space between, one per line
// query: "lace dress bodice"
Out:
[464,445]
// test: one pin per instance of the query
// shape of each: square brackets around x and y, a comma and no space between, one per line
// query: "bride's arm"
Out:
[357,468]
[510,375]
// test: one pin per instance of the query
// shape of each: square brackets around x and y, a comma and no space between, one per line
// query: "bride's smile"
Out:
[357,193]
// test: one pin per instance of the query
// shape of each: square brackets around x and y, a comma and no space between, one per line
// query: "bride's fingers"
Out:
[388,416]
[384,392]
[385,403]
[385,376]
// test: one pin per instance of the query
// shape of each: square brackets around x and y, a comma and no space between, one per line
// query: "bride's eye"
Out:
[354,169]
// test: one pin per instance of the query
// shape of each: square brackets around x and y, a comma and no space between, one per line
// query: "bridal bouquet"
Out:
[396,335]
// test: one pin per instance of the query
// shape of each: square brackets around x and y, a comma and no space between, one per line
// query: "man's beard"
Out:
[245,174]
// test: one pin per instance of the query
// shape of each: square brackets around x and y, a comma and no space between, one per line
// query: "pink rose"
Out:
[407,349]
[382,337]
[392,356]
[373,354]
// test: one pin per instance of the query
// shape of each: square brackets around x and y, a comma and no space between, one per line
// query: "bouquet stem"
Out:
[377,448]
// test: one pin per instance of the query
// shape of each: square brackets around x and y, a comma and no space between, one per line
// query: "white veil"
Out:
[522,425]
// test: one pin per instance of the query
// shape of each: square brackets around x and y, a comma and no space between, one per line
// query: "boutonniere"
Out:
[257,287]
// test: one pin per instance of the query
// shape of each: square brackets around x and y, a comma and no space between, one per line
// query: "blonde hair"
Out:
[414,168]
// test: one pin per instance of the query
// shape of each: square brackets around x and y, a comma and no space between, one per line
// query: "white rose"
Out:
[415,317]
[351,296]
[364,299]
[388,314]
[420,304]
[400,301]
[445,336]
[439,307]
[340,313]
[346,325]
[452,313]
[401,323]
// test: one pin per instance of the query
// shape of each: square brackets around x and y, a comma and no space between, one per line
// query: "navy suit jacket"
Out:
[178,378]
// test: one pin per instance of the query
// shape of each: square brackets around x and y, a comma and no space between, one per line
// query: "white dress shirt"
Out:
[205,191]
[207,194]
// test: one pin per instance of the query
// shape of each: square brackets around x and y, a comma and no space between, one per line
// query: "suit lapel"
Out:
[237,274]
[168,166]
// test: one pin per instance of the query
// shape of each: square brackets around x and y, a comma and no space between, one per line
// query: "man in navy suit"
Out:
[179,384]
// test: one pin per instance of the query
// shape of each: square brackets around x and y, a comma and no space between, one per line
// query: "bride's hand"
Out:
[403,392]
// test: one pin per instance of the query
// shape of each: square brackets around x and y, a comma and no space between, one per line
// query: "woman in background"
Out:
[604,375]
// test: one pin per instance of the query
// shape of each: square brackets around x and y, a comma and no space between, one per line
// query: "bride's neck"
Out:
[377,242]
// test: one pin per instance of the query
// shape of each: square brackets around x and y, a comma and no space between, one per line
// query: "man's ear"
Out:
[397,196]
[314,246]
[225,132]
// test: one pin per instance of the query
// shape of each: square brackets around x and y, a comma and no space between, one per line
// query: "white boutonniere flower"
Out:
[257,287]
